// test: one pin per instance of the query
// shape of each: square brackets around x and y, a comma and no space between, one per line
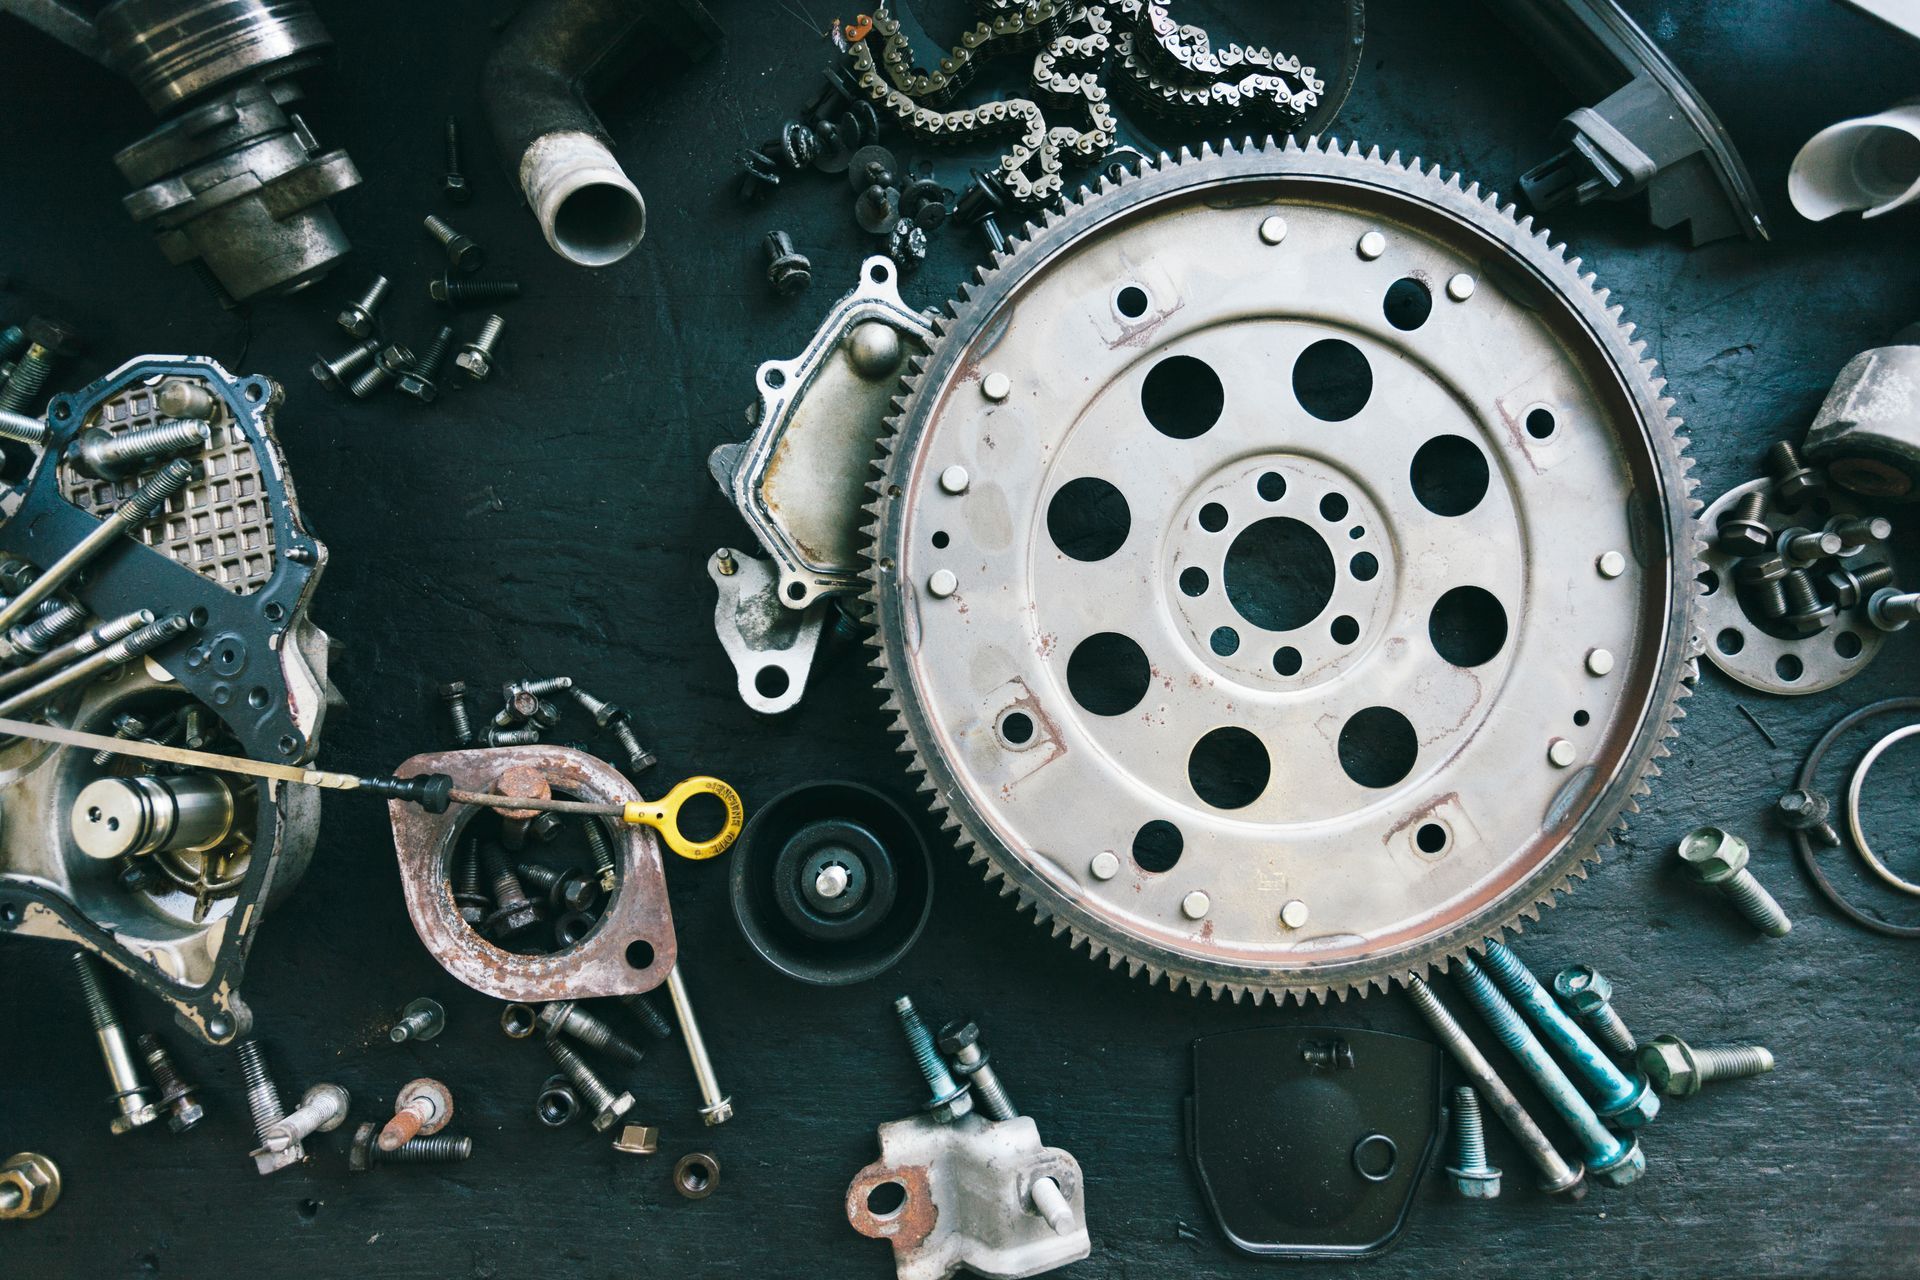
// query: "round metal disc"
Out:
[1333,576]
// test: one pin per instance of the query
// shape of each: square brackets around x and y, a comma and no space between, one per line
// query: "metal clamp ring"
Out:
[1854,788]
[1393,1157]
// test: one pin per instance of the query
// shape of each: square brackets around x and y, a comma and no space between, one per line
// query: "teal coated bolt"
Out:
[951,1099]
[1629,1102]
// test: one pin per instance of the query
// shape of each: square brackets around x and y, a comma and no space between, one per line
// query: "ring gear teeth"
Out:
[1675,660]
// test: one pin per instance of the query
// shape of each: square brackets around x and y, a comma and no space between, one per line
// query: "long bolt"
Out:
[1890,610]
[149,499]
[453,292]
[472,900]
[21,429]
[462,252]
[336,372]
[1472,1176]
[1557,1176]
[950,1098]
[87,642]
[454,694]
[35,638]
[715,1106]
[130,1096]
[263,1096]
[323,1109]
[1612,1161]
[1803,547]
[176,1095]
[567,890]
[607,1107]
[1627,1102]
[120,652]
[106,456]
[1590,996]
[564,1017]
[357,316]
[454,183]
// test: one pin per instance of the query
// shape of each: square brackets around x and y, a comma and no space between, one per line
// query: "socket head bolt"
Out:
[1793,480]
[422,1019]
[1891,609]
[1801,810]
[29,1186]
[788,270]
[424,1106]
[357,316]
[1678,1070]
[557,1103]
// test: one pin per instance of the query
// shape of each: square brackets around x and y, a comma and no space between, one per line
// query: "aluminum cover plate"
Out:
[1244,799]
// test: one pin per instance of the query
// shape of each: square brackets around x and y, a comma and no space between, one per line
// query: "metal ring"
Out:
[1393,1157]
[1803,845]
[1854,788]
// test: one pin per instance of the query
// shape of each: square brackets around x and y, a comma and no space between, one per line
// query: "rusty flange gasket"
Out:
[637,915]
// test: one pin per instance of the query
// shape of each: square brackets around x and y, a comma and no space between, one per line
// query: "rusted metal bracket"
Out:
[632,949]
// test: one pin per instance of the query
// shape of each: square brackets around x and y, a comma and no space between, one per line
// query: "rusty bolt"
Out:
[424,1106]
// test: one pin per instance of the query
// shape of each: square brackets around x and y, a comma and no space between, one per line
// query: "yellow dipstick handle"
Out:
[663,815]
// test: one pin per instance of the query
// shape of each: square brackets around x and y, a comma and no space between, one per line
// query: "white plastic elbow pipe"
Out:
[1870,164]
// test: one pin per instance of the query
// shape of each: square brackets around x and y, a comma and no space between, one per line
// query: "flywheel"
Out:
[1283,568]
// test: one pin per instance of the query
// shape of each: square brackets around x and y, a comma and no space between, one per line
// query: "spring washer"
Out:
[1854,788]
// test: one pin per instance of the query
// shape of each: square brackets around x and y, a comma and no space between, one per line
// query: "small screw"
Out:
[176,1095]
[960,1041]
[1472,1176]
[1743,528]
[418,381]
[392,361]
[1890,609]
[1806,612]
[1855,532]
[1849,587]
[496,736]
[454,694]
[357,316]
[1718,859]
[1765,576]
[454,184]
[1590,996]
[1806,811]
[1792,479]
[462,252]
[950,1099]
[476,357]
[1803,547]
[422,1019]
[788,270]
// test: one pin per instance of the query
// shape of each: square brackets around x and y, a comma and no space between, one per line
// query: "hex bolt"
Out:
[513,912]
[419,381]
[950,1099]
[1849,587]
[476,357]
[1718,859]
[336,372]
[600,845]
[453,292]
[566,1017]
[960,1041]
[1589,995]
[651,1020]
[788,270]
[176,1095]
[1472,1176]
[393,360]
[442,1149]
[106,456]
[130,1097]
[454,184]
[567,890]
[21,429]
[1608,1159]
[462,253]
[1628,1102]
[322,1110]
[1557,1175]
[468,894]
[1803,547]
[715,1106]
[263,1101]
[1801,810]
[607,1106]
[422,1019]
[1679,1070]
[614,718]
[454,694]
[1792,479]
[423,1107]
[1743,529]
[1763,575]
[1855,532]
[1890,609]
[557,1103]
[357,316]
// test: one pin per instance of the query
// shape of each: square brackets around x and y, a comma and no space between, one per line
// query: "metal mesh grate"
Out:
[221,527]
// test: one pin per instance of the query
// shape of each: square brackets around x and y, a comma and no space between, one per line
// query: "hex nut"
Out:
[1668,1064]
[638,1140]
[36,1178]
[695,1175]
[1583,989]
[519,1020]
[1712,855]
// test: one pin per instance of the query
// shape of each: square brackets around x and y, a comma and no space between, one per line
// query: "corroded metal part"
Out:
[1357,739]
[635,925]
[965,1196]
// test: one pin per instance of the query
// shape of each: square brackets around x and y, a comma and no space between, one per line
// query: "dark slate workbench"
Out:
[557,520]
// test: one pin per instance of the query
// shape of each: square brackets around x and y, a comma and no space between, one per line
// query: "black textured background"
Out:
[557,520]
